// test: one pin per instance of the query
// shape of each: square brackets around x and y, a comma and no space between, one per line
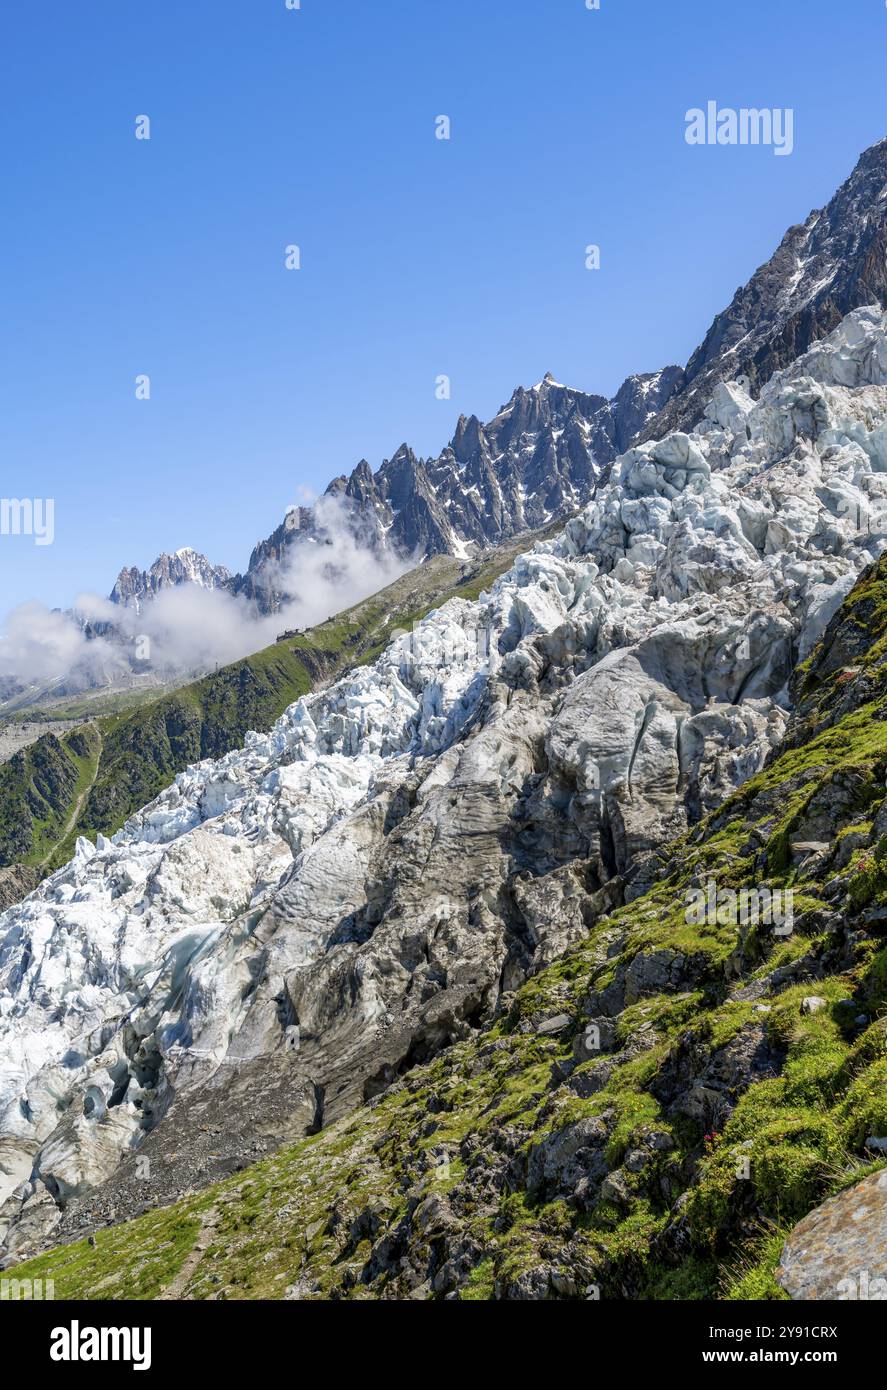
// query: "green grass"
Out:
[791,1136]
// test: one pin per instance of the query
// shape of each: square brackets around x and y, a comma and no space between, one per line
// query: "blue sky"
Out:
[419,256]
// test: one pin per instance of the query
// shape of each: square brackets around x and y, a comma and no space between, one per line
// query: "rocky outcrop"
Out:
[839,1251]
[15,883]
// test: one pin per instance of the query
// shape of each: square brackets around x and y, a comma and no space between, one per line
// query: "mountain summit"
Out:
[186,566]
[540,458]
[545,452]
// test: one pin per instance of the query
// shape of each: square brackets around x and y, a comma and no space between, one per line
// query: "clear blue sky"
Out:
[419,256]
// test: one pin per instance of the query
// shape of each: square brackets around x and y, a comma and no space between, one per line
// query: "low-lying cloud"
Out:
[187,629]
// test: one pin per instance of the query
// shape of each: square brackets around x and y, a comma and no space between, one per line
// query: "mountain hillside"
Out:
[88,780]
[645,1118]
[290,930]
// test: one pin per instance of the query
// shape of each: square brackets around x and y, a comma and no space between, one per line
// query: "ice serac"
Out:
[285,930]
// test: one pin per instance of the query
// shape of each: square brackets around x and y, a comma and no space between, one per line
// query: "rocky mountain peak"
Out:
[547,450]
[186,566]
[540,457]
[823,268]
[550,446]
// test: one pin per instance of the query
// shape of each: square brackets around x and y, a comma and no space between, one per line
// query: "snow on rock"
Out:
[351,872]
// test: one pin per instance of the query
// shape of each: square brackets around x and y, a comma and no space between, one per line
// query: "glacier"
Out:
[373,875]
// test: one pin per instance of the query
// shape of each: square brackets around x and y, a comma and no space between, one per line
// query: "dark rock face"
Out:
[539,459]
[834,262]
[638,398]
[15,882]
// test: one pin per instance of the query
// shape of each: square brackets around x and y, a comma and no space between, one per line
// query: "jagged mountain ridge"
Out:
[610,690]
[133,586]
[538,459]
[543,454]
[832,263]
[545,451]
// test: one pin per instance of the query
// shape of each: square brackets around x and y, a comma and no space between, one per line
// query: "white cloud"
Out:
[189,629]
[322,577]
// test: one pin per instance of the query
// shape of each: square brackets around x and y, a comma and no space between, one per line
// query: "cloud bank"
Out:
[188,630]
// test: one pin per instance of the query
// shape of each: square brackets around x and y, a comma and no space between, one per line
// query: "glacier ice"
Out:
[346,870]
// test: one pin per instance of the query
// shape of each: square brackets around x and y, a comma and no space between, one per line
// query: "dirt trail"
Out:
[78,805]
[175,1289]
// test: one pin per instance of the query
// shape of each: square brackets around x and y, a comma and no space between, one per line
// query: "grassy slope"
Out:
[123,760]
[91,704]
[337,1211]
